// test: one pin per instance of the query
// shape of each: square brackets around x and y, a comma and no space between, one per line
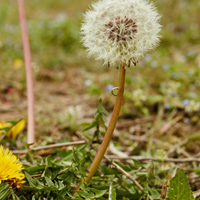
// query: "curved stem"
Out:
[109,132]
[29,76]
[111,127]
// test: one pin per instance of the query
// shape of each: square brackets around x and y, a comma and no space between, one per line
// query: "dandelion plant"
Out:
[119,32]
[10,170]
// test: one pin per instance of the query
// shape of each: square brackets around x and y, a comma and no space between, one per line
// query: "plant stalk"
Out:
[29,76]
[106,140]
[111,126]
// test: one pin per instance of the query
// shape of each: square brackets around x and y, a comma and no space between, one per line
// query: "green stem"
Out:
[111,127]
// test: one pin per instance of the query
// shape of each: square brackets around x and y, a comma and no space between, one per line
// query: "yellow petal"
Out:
[15,130]
[10,169]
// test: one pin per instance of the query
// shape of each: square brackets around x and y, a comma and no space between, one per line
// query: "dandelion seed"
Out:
[120,31]
[174,76]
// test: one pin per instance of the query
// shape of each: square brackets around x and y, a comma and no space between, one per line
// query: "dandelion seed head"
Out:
[120,31]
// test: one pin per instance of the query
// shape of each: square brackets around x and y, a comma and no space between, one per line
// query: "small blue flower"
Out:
[192,94]
[165,67]
[185,102]
[173,94]
[167,106]
[187,120]
[87,82]
[109,88]
[147,58]
[174,76]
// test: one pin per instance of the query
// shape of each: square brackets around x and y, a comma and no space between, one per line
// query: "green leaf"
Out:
[112,193]
[101,109]
[35,170]
[5,191]
[49,182]
[98,193]
[92,125]
[179,188]
[195,136]
[154,193]
[14,196]
[37,185]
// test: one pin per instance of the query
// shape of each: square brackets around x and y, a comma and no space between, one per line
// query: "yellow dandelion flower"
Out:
[15,130]
[10,169]
[18,63]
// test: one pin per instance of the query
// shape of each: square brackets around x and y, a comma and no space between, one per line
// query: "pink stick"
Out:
[29,76]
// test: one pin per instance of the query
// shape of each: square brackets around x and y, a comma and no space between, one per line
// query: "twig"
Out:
[150,134]
[127,123]
[116,152]
[124,172]
[140,158]
[167,126]
[57,145]
[29,76]
[177,146]
[49,147]
[179,149]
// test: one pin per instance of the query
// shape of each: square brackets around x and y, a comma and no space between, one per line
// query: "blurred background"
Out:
[161,95]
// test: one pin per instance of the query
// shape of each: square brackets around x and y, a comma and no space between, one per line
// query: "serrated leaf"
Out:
[101,109]
[86,195]
[35,170]
[34,183]
[179,188]
[49,182]
[98,193]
